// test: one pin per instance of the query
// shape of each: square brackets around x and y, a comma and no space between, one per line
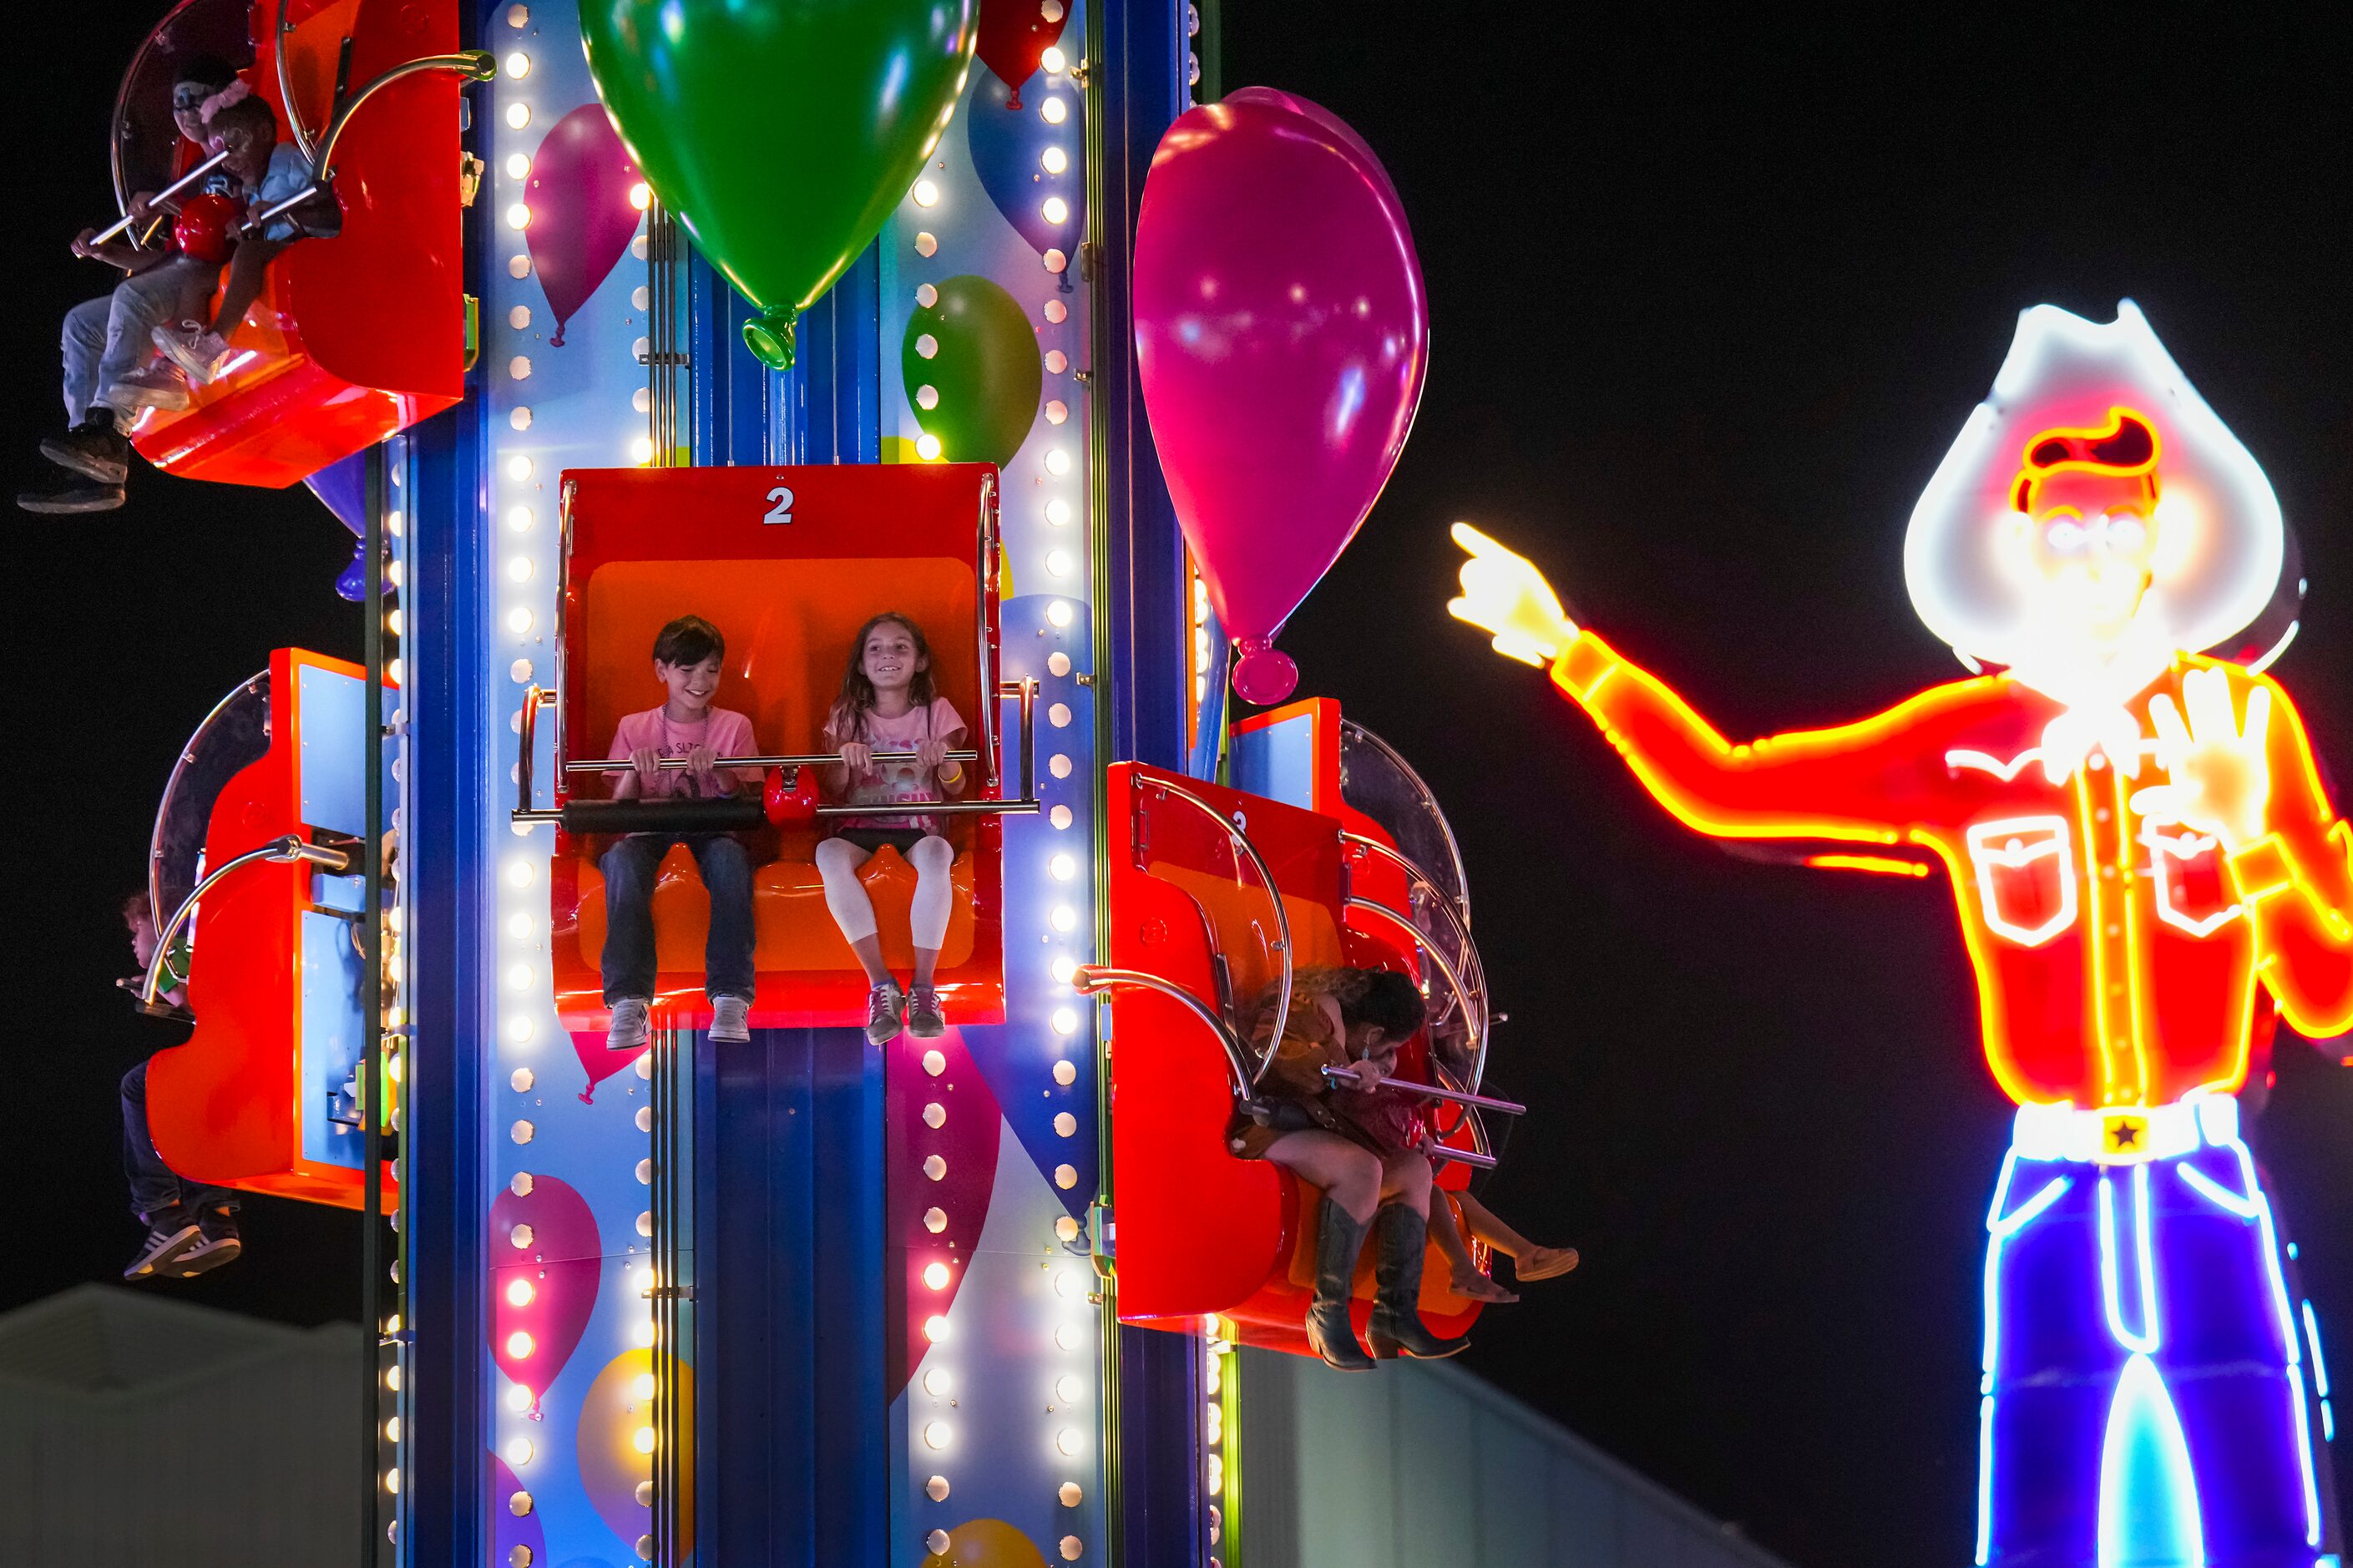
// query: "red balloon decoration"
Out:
[1014,36]
[547,1264]
[580,216]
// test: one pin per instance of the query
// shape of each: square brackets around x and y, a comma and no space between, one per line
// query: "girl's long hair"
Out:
[857,694]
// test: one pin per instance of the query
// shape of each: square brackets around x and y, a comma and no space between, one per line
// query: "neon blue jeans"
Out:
[2152,1397]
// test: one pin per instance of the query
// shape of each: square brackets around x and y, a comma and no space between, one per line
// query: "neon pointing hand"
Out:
[1504,592]
[2220,777]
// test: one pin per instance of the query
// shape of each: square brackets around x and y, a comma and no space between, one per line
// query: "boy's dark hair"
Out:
[689,640]
[135,906]
[252,111]
[1392,1003]
[204,70]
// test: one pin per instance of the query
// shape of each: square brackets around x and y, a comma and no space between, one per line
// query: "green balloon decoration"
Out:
[983,369]
[781,132]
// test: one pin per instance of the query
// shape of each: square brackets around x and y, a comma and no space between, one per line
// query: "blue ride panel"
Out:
[331,1038]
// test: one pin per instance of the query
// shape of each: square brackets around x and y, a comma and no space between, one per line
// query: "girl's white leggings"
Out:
[837,861]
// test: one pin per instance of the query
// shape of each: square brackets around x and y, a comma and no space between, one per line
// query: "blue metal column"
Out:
[1137,54]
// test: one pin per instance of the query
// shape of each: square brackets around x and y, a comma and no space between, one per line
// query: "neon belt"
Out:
[2124,1134]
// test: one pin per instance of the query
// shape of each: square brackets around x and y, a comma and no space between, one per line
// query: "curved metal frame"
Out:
[286,851]
[163,807]
[1454,979]
[1274,896]
[1453,850]
[1090,980]
[480,65]
[1416,878]
[301,132]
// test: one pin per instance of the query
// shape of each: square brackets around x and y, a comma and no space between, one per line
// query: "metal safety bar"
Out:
[1445,967]
[1090,980]
[285,851]
[809,760]
[166,194]
[1475,967]
[1471,1158]
[1349,1077]
[1282,945]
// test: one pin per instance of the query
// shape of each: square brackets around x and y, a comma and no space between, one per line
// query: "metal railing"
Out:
[286,851]
[1281,946]
[1091,980]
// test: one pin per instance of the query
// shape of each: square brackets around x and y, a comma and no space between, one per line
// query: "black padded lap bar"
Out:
[731,815]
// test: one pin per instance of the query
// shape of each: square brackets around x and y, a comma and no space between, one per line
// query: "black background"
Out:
[1709,300]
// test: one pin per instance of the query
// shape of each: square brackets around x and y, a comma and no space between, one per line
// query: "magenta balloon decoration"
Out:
[580,216]
[514,1538]
[546,1266]
[1282,336]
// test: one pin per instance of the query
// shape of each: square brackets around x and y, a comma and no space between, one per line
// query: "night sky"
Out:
[1709,303]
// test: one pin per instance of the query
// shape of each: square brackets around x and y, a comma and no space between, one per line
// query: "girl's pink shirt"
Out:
[895,783]
[727,734]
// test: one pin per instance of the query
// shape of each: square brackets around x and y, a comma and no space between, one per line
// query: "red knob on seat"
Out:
[790,804]
[202,229]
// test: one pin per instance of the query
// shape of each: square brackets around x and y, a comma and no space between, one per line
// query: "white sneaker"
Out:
[729,1021]
[157,387]
[628,1029]
[192,349]
[884,1005]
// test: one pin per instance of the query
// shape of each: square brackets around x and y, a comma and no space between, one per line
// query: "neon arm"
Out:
[2297,883]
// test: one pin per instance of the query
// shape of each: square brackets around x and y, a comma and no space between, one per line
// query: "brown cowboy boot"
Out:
[1339,1238]
[1395,1328]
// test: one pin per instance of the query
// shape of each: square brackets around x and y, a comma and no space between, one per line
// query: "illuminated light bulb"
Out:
[518,1293]
[392,1379]
[926,244]
[927,194]
[935,1382]
[641,449]
[935,1275]
[1057,312]
[1068,1441]
[1066,1072]
[1058,462]
[521,1184]
[519,468]
[518,266]
[1061,816]
[645,1172]
[392,622]
[1054,209]
[392,1482]
[392,670]
[1057,411]
[518,1452]
[1217,1473]
[937,1543]
[1072,1548]
[392,1430]
[1066,1176]
[1070,1495]
[1063,867]
[934,1063]
[518,417]
[517,1398]
[519,924]
[645,1118]
[641,196]
[1057,362]
[518,65]
[644,1387]
[927,446]
[645,1222]
[936,1489]
[1065,1021]
[936,1435]
[521,517]
[519,317]
[519,368]
[519,620]
[641,400]
[926,295]
[519,216]
[1066,1336]
[522,1132]
[1057,512]
[520,1081]
[936,1115]
[519,1345]
[518,116]
[926,346]
[935,1220]
[935,1168]
[643,1334]
[1055,261]
[1055,161]
[519,1029]
[643,1440]
[935,1329]
[1066,1282]
[1058,562]
[1053,60]
[517,166]
[519,976]
[1054,110]
[1065,969]
[1066,1125]
[1059,612]
[1065,918]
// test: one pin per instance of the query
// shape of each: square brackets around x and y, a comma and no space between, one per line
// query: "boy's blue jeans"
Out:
[630,870]
[156,1190]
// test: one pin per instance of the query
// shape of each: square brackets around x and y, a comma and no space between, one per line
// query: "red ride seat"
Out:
[1202,1234]
[359,335]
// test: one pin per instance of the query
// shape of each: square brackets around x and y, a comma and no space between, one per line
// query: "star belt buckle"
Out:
[2124,1137]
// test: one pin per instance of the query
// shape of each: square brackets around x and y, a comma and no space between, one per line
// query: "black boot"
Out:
[1339,1236]
[1396,1330]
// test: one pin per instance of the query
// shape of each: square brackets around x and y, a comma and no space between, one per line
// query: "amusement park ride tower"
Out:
[798,1299]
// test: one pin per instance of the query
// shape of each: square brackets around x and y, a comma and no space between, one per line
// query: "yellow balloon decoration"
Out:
[987,1543]
[619,1432]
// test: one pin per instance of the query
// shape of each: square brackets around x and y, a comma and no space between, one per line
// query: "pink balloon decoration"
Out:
[601,1060]
[1282,336]
[543,1280]
[581,216]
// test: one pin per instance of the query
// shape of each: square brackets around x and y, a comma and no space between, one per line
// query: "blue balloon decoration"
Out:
[341,486]
[1009,153]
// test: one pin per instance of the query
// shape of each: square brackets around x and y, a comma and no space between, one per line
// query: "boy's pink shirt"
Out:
[727,732]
